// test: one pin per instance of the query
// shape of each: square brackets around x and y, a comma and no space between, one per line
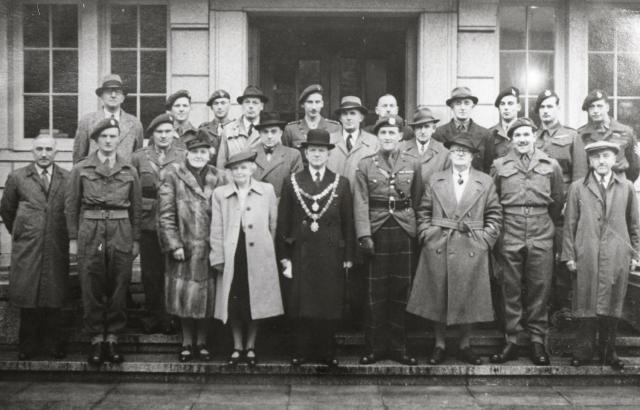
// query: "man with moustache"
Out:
[32,211]
[508,105]
[462,103]
[220,103]
[603,128]
[433,155]
[529,184]
[112,94]
[388,106]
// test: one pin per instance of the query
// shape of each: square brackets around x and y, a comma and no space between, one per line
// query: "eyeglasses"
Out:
[460,151]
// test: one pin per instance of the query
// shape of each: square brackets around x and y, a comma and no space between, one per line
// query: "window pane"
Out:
[542,22]
[153,71]
[512,28]
[629,74]
[628,33]
[532,105]
[512,70]
[601,33]
[540,72]
[629,113]
[153,26]
[65,71]
[130,105]
[150,107]
[36,115]
[35,25]
[65,25]
[350,76]
[601,72]
[36,71]
[65,115]
[124,64]
[124,20]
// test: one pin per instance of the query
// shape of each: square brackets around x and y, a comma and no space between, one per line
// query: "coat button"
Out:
[248,208]
[250,243]
[471,254]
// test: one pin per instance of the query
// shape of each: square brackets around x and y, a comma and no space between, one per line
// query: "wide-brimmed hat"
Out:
[602,145]
[543,96]
[521,122]
[312,89]
[461,93]
[351,102]
[242,156]
[252,91]
[388,121]
[218,94]
[511,91]
[270,119]
[178,94]
[160,119]
[423,116]
[318,137]
[103,125]
[110,82]
[593,96]
[464,139]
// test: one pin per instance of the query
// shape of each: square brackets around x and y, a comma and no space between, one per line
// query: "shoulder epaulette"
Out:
[294,122]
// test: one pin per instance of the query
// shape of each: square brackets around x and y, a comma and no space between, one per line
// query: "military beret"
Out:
[592,97]
[242,156]
[602,145]
[521,122]
[173,97]
[392,121]
[512,91]
[464,139]
[160,119]
[313,88]
[103,125]
[218,94]
[543,96]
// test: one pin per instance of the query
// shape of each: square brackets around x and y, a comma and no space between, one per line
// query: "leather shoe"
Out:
[539,356]
[331,362]
[297,361]
[508,353]
[437,356]
[404,359]
[96,357]
[468,355]
[369,358]
[112,353]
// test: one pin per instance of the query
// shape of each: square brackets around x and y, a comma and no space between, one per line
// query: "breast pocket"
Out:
[511,181]
[542,177]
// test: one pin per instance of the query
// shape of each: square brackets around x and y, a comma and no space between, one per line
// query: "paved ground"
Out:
[157,396]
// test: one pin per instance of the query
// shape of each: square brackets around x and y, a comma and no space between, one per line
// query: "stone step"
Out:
[166,368]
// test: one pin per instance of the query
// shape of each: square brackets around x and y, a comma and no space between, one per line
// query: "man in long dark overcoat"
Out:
[32,209]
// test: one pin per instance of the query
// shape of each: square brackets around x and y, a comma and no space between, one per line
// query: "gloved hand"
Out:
[367,246]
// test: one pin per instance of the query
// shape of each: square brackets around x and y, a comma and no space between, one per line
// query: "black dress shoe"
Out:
[96,357]
[404,359]
[203,353]
[235,357]
[297,360]
[508,353]
[112,353]
[369,358]
[437,356]
[185,354]
[539,355]
[468,355]
[331,362]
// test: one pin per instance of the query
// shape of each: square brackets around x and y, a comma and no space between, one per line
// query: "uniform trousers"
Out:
[152,266]
[40,326]
[388,287]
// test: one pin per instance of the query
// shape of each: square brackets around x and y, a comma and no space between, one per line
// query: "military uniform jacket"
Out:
[434,159]
[151,171]
[236,138]
[557,142]
[284,162]
[296,131]
[373,182]
[131,136]
[627,160]
[500,142]
[214,130]
[40,246]
[345,162]
[483,159]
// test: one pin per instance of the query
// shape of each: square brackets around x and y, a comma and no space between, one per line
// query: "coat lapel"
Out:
[56,181]
[443,191]
[592,185]
[277,158]
[472,191]
[36,178]
[185,175]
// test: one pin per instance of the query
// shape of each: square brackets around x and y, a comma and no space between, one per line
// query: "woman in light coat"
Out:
[243,227]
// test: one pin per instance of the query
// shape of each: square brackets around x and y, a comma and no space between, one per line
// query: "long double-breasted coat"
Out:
[318,287]
[184,212]
[601,242]
[452,280]
[284,162]
[40,243]
[259,220]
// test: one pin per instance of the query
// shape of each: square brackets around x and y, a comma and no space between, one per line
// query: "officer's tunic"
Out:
[557,142]
[500,142]
[295,133]
[532,198]
[103,210]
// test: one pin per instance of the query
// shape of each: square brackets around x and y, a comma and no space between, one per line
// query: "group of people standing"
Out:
[248,219]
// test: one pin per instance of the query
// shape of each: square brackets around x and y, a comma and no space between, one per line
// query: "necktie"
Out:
[421,146]
[317,178]
[219,129]
[524,158]
[268,150]
[460,180]
[107,163]
[461,127]
[44,176]
[349,142]
[250,130]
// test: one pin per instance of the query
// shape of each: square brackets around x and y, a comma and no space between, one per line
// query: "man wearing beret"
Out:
[462,103]
[112,94]
[151,163]
[220,103]
[103,209]
[241,134]
[557,140]
[179,106]
[388,189]
[601,127]
[387,105]
[529,184]
[433,155]
[508,105]
[312,102]
[274,163]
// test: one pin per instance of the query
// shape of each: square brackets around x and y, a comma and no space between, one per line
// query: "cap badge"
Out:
[392,121]
[112,122]
[547,93]
[598,94]
[513,92]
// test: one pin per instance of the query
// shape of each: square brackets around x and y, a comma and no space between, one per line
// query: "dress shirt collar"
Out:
[313,171]
[39,170]
[116,115]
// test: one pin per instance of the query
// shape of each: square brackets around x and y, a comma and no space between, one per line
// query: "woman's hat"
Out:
[242,156]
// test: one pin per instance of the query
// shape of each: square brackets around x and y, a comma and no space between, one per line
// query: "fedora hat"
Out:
[423,116]
[270,119]
[318,137]
[464,139]
[351,102]
[461,93]
[110,82]
[252,91]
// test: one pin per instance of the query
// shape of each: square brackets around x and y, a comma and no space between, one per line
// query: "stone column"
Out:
[577,62]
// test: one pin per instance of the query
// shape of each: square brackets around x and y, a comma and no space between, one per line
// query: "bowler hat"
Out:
[592,97]
[178,94]
[464,139]
[103,125]
[520,122]
[270,119]
[602,145]
[312,89]
[218,94]
[110,82]
[461,93]
[543,96]
[160,119]
[252,91]
[512,91]
[241,156]
[423,116]
[351,102]
[318,137]
[388,121]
